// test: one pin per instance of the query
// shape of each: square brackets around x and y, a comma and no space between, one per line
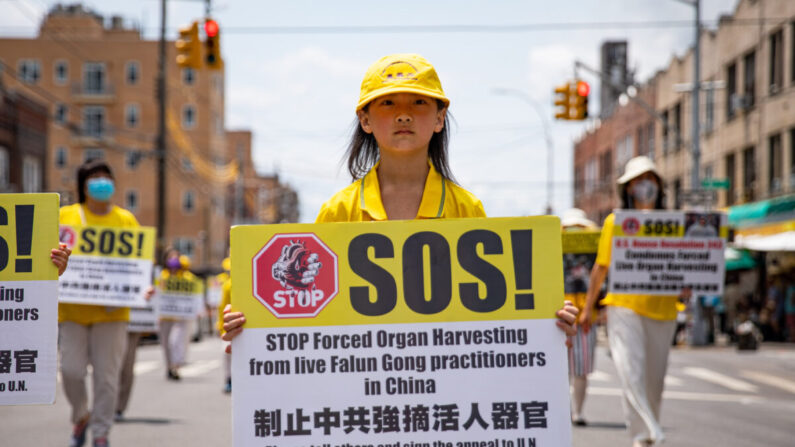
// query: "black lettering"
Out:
[125,247]
[3,243]
[491,276]
[87,243]
[382,280]
[107,241]
[413,273]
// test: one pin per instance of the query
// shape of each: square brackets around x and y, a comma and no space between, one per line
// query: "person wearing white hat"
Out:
[583,343]
[639,327]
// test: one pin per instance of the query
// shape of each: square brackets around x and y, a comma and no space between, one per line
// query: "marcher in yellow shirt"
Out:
[88,334]
[639,327]
[174,335]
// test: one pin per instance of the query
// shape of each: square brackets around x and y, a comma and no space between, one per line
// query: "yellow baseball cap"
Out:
[400,73]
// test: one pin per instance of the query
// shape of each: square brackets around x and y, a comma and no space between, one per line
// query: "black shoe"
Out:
[173,374]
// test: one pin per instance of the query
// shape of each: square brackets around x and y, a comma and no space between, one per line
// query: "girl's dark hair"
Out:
[363,152]
[85,170]
[627,201]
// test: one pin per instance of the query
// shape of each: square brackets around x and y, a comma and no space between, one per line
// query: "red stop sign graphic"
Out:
[295,275]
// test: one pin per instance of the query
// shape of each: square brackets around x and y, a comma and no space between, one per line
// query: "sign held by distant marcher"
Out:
[109,266]
[662,252]
[28,298]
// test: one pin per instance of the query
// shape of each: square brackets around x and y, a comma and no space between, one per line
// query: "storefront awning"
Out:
[784,241]
[762,212]
[738,259]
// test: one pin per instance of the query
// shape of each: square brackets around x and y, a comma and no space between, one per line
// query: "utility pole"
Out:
[696,150]
[161,132]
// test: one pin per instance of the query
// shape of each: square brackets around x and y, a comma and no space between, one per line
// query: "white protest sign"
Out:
[662,252]
[180,298]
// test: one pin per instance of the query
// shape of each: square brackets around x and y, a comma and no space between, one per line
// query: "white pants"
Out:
[102,345]
[174,338]
[639,347]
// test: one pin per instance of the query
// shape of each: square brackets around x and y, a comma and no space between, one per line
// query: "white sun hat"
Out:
[576,217]
[637,167]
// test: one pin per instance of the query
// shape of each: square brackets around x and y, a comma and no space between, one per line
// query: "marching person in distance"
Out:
[88,334]
[639,327]
[174,336]
[226,299]
[398,159]
[583,343]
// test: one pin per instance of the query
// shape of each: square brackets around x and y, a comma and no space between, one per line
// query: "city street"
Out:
[714,397]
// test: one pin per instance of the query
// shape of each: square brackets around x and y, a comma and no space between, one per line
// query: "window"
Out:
[4,168]
[709,110]
[641,140]
[61,72]
[31,174]
[650,134]
[731,194]
[184,245]
[188,202]
[188,116]
[93,77]
[218,84]
[60,113]
[187,164]
[93,154]
[577,181]
[775,169]
[131,200]
[665,131]
[749,174]
[624,151]
[591,173]
[188,76]
[60,157]
[731,91]
[606,168]
[792,159]
[133,72]
[29,70]
[708,171]
[131,115]
[749,79]
[776,61]
[218,124]
[677,127]
[93,121]
[792,54]
[132,159]
[677,193]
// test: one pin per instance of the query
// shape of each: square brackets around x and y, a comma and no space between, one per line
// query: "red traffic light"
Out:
[583,88]
[211,28]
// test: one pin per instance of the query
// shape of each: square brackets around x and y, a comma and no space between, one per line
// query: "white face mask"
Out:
[644,191]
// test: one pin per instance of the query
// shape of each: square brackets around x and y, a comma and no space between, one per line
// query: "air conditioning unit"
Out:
[740,101]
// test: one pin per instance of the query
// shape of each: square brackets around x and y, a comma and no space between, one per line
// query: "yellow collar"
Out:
[433,197]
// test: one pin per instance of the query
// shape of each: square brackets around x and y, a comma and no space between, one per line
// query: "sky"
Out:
[296,90]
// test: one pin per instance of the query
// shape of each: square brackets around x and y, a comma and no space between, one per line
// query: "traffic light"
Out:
[212,45]
[581,100]
[563,99]
[189,47]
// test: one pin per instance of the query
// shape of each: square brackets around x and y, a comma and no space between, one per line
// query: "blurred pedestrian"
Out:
[226,299]
[639,327]
[174,332]
[583,343]
[88,334]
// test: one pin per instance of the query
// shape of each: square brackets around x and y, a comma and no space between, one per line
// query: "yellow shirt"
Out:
[657,307]
[361,201]
[226,298]
[88,314]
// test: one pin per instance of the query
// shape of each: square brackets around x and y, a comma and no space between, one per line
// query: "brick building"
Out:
[23,142]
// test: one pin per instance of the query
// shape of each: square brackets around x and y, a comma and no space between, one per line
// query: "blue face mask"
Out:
[100,188]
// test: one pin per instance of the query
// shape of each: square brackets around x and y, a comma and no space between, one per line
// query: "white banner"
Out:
[106,281]
[180,298]
[144,319]
[28,342]
[402,385]
[662,252]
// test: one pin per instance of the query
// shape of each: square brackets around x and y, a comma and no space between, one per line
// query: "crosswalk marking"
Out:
[685,395]
[767,379]
[720,379]
[145,366]
[673,381]
[199,368]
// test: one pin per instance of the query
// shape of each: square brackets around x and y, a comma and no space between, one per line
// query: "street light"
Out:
[541,116]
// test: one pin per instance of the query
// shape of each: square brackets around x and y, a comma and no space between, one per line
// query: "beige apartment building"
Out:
[99,80]
[747,117]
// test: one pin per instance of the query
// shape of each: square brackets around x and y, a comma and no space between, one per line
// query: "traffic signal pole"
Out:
[161,133]
[696,149]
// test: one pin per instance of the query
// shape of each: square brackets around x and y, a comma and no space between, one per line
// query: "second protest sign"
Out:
[377,333]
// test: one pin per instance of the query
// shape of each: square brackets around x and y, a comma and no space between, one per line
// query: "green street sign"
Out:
[715,183]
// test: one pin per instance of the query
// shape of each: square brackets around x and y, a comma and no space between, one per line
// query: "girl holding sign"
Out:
[398,159]
[639,327]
